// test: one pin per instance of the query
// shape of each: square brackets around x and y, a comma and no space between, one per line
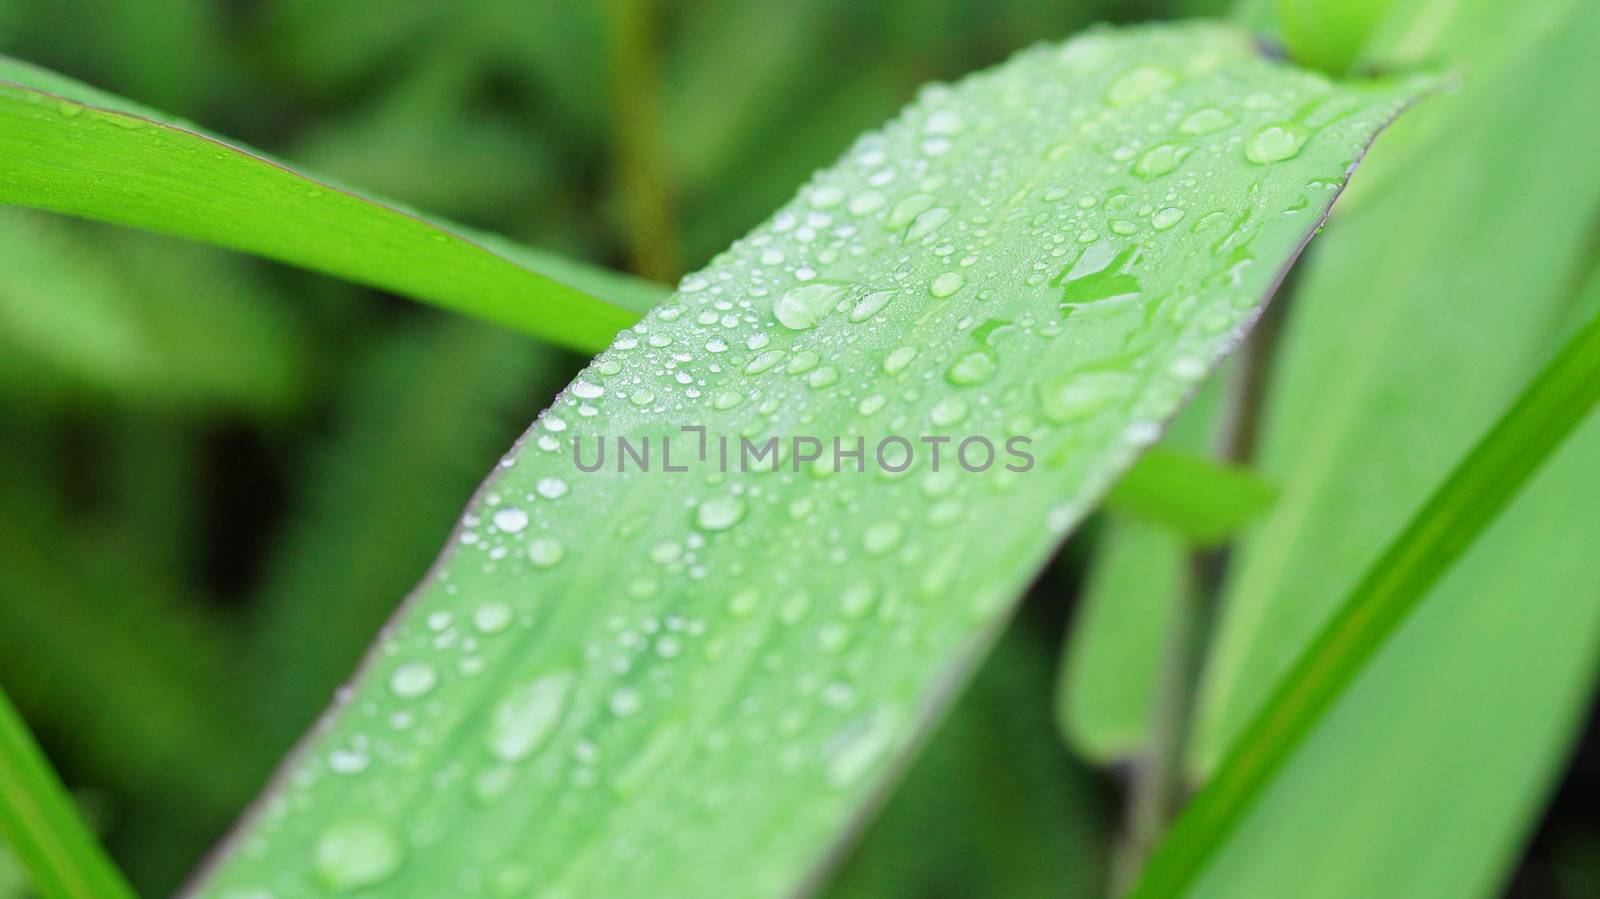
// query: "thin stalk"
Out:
[41,826]
[640,164]
[1450,522]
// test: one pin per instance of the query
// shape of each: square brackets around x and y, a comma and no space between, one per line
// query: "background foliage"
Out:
[217,475]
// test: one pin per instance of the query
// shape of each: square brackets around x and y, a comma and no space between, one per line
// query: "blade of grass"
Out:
[1477,490]
[72,149]
[1201,499]
[40,825]
[645,682]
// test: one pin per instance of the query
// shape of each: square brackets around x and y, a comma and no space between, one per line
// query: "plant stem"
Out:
[645,191]
[41,826]
[1452,519]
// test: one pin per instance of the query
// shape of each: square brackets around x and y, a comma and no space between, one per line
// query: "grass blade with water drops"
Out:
[1564,394]
[666,682]
[40,826]
[70,148]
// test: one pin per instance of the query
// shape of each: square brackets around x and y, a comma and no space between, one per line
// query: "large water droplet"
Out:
[1276,142]
[546,552]
[525,718]
[972,367]
[1159,160]
[1094,278]
[357,853]
[1138,83]
[1204,121]
[946,283]
[1074,396]
[803,306]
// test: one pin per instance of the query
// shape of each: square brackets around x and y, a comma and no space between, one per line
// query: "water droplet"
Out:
[546,552]
[928,222]
[972,367]
[1160,159]
[1139,83]
[1206,120]
[1276,142]
[858,747]
[492,618]
[719,513]
[948,411]
[803,306]
[510,519]
[525,718]
[551,488]
[871,305]
[898,359]
[356,853]
[823,377]
[1075,396]
[802,362]
[624,702]
[764,361]
[946,283]
[413,679]
[908,209]
[882,537]
[1165,218]
[945,121]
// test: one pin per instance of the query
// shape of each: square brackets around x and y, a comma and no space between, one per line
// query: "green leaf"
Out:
[39,824]
[87,314]
[70,148]
[1201,499]
[1476,492]
[1490,675]
[626,683]
[1356,453]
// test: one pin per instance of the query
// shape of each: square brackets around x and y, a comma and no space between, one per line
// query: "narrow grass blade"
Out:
[628,682]
[40,826]
[1475,493]
[69,148]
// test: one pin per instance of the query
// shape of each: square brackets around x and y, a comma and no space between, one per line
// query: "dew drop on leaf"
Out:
[1276,142]
[801,307]
[526,717]
[357,853]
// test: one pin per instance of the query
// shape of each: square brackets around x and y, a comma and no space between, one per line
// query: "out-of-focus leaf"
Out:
[625,683]
[40,825]
[410,436]
[1471,499]
[1481,686]
[83,312]
[70,148]
[1356,451]
[993,807]
[95,646]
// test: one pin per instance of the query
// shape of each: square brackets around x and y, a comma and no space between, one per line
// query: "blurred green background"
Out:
[219,475]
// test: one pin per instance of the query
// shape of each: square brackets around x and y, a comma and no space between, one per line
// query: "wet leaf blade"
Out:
[72,149]
[628,683]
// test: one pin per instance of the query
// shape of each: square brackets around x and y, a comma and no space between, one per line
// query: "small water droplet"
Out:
[898,359]
[1075,396]
[1160,159]
[551,488]
[1139,83]
[1165,218]
[719,513]
[492,618]
[882,537]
